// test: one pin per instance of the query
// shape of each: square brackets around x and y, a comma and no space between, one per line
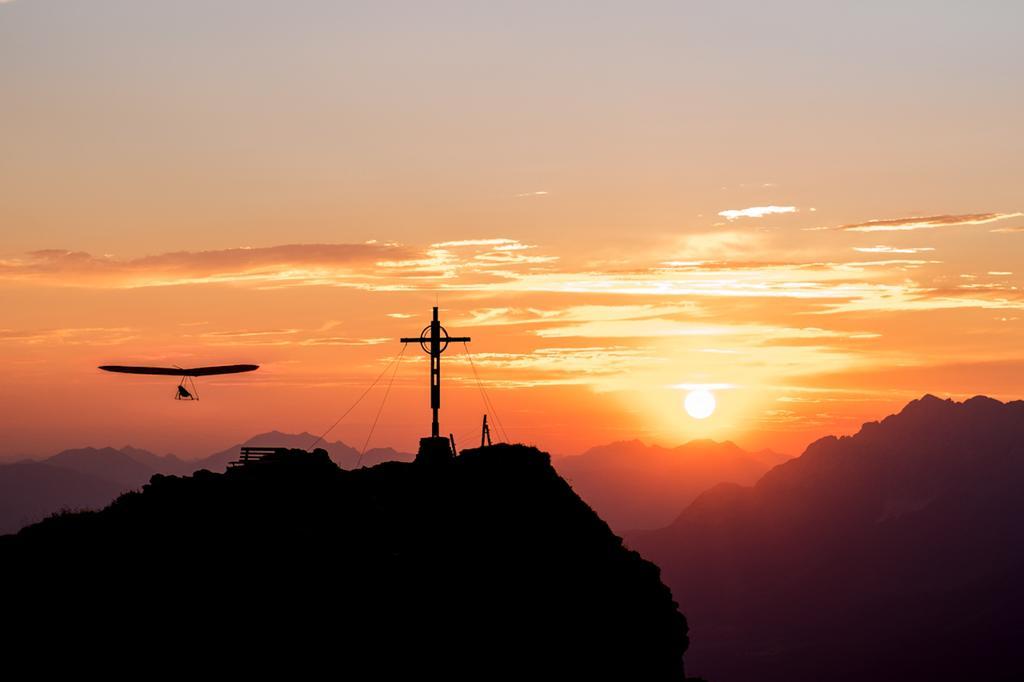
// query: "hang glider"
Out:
[186,388]
[180,372]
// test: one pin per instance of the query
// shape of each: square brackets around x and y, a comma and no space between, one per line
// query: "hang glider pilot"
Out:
[187,375]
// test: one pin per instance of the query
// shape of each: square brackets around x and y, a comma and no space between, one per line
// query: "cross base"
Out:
[434,450]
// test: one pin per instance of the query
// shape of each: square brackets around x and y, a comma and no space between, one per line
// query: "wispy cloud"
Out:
[250,333]
[892,249]
[926,222]
[485,317]
[70,336]
[896,298]
[266,264]
[372,265]
[285,337]
[592,365]
[755,211]
[345,341]
[498,242]
[661,327]
[708,267]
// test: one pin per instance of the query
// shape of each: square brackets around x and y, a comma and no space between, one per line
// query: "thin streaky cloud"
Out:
[892,249]
[243,333]
[345,341]
[70,336]
[755,212]
[661,327]
[287,262]
[926,222]
[499,241]
[826,286]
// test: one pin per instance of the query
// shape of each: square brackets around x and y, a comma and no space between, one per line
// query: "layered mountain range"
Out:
[638,486]
[89,478]
[893,554]
[632,485]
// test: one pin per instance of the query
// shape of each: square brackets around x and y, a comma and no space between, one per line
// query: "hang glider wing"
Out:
[180,372]
[223,369]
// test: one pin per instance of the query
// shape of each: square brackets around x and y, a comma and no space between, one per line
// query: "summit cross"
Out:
[434,339]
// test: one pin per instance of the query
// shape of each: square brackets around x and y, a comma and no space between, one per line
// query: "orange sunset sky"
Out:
[813,210]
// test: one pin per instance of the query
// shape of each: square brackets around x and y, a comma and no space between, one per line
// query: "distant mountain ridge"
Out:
[117,466]
[30,491]
[634,485]
[893,554]
[345,456]
[88,478]
[631,484]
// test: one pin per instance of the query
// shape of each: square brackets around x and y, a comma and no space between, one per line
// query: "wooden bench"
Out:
[253,454]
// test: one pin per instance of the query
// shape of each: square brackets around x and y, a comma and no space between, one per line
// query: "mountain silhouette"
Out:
[163,464]
[30,491]
[893,554]
[107,463]
[38,489]
[633,485]
[345,456]
[482,567]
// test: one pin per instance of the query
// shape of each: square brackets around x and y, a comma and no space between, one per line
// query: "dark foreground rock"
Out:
[486,566]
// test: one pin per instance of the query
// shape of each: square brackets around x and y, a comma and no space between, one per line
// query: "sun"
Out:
[700,403]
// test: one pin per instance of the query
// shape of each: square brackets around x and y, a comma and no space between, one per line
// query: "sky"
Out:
[813,210]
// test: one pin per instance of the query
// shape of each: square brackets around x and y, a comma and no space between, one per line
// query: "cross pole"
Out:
[434,339]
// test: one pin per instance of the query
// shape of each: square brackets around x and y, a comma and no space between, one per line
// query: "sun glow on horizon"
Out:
[700,403]
[600,239]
